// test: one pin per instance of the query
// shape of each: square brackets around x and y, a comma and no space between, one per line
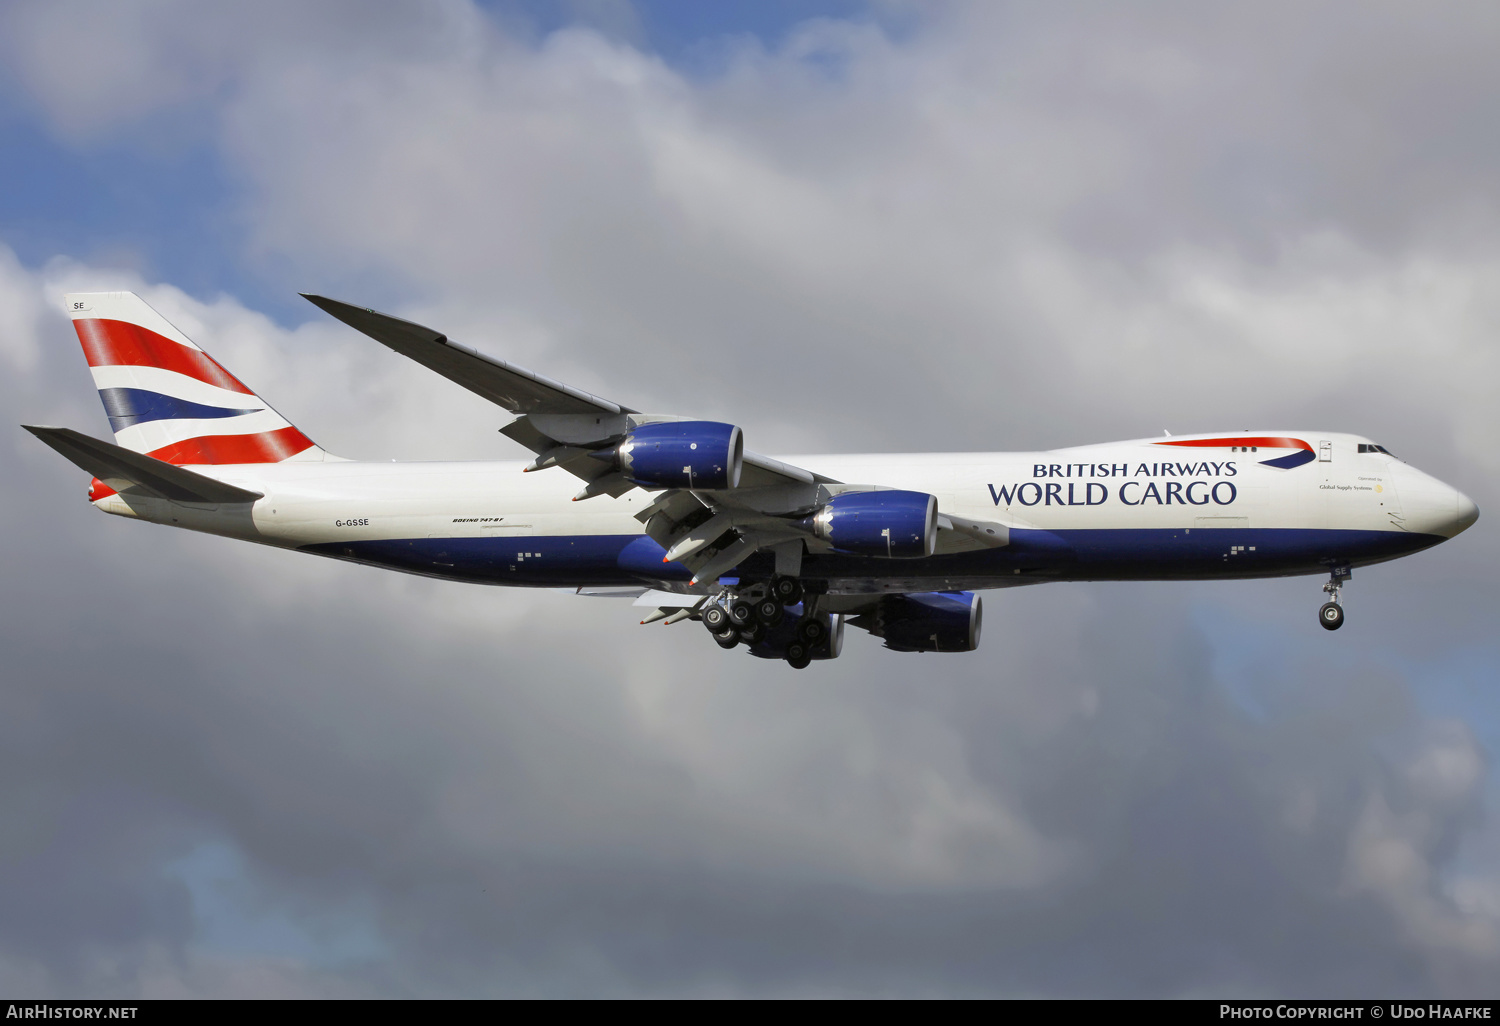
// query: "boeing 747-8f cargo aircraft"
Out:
[775,554]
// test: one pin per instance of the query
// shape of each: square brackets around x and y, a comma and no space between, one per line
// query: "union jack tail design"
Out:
[167,398]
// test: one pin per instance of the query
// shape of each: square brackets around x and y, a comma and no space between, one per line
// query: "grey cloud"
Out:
[912,227]
[102,72]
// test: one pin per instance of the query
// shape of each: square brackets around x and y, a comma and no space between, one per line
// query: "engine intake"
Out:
[699,454]
[934,621]
[890,523]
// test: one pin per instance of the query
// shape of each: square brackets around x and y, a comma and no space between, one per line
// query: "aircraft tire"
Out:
[811,631]
[741,613]
[754,633]
[769,612]
[798,656]
[715,618]
[1331,616]
[727,638]
[786,590]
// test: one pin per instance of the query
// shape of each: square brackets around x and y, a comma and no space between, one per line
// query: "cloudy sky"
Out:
[845,226]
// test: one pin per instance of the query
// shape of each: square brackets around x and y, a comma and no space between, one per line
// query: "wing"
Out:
[515,388]
[766,506]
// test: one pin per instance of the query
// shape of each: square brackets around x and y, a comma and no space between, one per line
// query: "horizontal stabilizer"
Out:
[120,468]
[515,388]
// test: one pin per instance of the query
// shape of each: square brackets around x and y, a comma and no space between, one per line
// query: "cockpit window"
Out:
[1366,447]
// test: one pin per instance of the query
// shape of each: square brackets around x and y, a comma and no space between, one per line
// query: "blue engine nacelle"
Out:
[895,524]
[934,621]
[699,454]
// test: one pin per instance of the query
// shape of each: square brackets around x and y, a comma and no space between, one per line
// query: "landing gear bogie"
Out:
[775,619]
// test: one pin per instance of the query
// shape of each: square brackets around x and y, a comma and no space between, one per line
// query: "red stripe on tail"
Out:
[263,447]
[109,343]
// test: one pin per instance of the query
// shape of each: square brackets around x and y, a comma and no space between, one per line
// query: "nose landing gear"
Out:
[1331,613]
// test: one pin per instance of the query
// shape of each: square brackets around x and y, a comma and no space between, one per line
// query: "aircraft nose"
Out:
[1465,513]
[1431,506]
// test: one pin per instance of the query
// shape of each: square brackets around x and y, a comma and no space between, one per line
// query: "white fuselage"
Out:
[1149,508]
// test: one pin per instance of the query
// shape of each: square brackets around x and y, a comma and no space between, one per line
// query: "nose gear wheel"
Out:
[1331,613]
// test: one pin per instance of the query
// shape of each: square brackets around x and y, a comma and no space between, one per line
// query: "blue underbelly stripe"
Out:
[1131,553]
[585,560]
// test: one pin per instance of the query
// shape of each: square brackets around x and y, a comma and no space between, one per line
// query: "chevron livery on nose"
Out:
[169,399]
[1302,453]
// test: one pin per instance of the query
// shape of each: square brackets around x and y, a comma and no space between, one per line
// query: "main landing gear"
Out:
[748,615]
[1331,613]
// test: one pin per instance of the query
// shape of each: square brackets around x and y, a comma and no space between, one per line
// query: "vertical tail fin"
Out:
[169,399]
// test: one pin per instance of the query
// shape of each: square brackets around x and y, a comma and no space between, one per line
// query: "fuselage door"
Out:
[1325,451]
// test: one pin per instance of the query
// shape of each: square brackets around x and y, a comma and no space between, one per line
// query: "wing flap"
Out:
[761,470]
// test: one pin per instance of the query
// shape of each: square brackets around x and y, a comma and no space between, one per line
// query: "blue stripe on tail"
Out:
[127,406]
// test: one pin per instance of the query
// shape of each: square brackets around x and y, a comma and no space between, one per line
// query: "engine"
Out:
[698,454]
[934,621]
[895,524]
